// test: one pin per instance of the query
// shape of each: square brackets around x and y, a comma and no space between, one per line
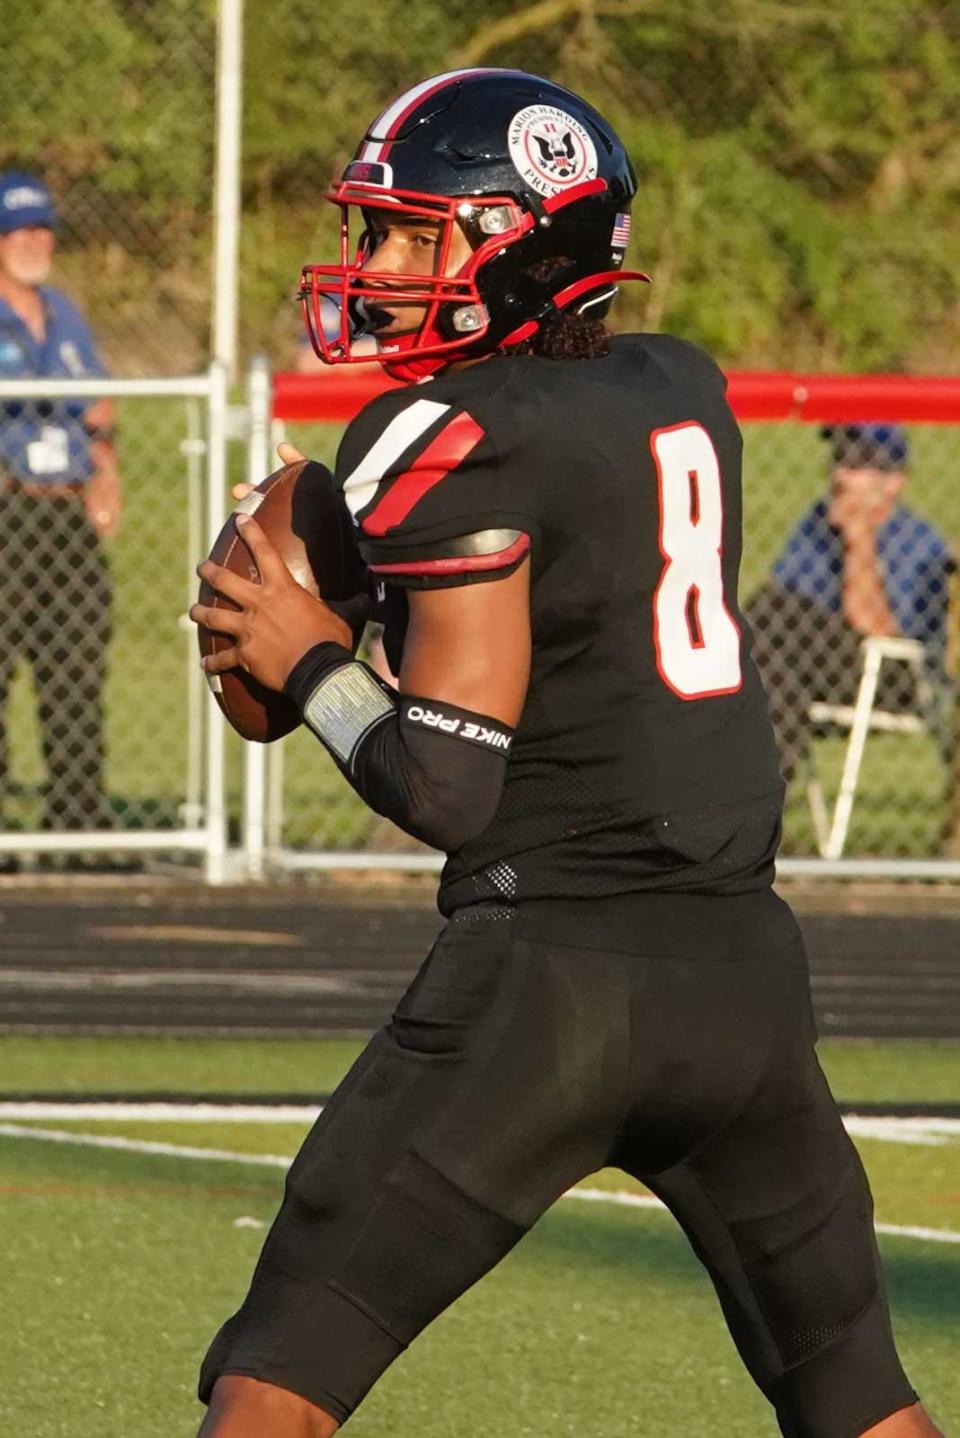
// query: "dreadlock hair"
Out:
[567,336]
[563,334]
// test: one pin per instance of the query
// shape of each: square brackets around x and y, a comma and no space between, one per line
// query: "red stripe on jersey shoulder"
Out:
[459,564]
[448,449]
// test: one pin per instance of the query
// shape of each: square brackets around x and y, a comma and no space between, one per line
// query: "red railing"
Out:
[754,395]
[840,398]
[336,394]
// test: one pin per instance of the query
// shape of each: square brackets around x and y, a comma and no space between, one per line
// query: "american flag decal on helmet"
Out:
[621,232]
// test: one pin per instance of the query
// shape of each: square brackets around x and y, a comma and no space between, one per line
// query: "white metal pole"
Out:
[216,815]
[276,757]
[255,755]
[862,709]
[273,817]
[168,388]
[227,182]
[194,450]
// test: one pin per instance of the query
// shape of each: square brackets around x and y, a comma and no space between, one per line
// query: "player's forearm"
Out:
[432,768]
[103,457]
[865,604]
[100,422]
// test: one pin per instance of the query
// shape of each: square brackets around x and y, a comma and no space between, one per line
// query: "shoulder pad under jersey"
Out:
[431,494]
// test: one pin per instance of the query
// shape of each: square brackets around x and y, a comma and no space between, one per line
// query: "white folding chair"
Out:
[860,718]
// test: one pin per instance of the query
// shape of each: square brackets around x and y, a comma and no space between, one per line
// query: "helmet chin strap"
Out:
[403,362]
[410,371]
[567,298]
[408,367]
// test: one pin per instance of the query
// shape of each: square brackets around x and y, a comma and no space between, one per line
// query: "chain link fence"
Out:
[797,164]
[104,744]
[106,239]
[879,784]
[809,576]
[797,171]
[797,205]
[111,103]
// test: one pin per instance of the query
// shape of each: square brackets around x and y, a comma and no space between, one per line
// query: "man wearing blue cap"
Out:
[858,563]
[59,497]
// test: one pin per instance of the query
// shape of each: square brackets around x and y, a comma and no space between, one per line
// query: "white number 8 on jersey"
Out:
[697,642]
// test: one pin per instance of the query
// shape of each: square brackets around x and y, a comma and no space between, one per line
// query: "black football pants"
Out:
[668,1035]
[55,600]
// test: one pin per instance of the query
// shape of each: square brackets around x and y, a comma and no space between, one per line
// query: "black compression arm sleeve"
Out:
[432,768]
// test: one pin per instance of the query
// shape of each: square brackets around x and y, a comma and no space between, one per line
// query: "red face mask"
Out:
[454,319]
[340,301]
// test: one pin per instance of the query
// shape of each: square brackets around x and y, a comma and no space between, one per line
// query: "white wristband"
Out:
[345,706]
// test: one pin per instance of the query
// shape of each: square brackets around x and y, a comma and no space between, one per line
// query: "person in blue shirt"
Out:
[59,499]
[858,562]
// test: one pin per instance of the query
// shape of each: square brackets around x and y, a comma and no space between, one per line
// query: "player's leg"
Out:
[777,1206]
[247,1408]
[836,1378]
[911,1422]
[500,1080]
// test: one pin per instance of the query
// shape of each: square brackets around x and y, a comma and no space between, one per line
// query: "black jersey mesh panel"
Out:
[804,1342]
[484,913]
[727,848]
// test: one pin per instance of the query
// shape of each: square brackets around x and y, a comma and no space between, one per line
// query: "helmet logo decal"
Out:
[550,149]
[368,172]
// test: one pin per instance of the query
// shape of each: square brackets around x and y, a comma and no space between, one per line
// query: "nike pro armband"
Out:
[432,768]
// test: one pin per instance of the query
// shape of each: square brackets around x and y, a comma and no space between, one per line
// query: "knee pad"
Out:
[816,1275]
[813,1267]
[424,1244]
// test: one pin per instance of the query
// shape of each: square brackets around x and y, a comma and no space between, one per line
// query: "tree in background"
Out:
[799,162]
[112,101]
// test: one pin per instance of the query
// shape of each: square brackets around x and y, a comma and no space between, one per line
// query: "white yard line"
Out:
[641,1200]
[140,1145]
[124,1111]
[887,1129]
[910,1230]
[270,1160]
[619,1195]
[891,1129]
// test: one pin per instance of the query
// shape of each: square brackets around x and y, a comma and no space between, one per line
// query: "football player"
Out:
[553,521]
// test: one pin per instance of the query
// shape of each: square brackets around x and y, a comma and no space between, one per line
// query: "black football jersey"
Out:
[644,757]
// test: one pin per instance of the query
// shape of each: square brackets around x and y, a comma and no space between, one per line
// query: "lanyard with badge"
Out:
[50,452]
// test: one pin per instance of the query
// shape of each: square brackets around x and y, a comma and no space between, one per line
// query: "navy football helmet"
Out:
[536,179]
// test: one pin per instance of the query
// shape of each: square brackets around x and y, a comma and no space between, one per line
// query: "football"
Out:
[302,515]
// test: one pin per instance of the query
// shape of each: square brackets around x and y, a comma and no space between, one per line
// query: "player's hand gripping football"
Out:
[277,620]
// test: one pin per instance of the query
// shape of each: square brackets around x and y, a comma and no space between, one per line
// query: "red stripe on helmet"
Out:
[408,110]
[453,78]
[450,447]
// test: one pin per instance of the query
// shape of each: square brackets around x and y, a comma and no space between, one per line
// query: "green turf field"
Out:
[121,1263]
[899,810]
[859,1070]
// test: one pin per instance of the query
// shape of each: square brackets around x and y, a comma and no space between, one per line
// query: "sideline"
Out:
[888,1128]
[142,1145]
[269,1160]
[161,1111]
